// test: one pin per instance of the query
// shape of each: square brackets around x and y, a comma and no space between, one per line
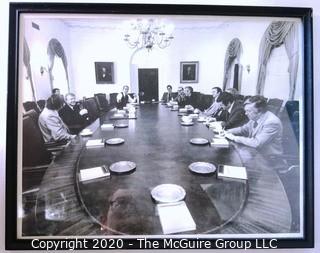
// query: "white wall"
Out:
[91,45]
[207,45]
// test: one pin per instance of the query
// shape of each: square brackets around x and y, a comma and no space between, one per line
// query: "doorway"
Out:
[148,84]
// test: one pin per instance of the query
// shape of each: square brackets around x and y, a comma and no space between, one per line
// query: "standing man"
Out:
[74,117]
[263,131]
[123,98]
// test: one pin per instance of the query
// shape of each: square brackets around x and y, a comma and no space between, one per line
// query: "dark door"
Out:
[148,84]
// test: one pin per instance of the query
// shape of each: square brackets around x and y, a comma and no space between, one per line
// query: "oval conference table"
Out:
[160,147]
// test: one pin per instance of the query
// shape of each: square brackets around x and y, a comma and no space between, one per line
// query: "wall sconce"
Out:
[248,68]
[43,69]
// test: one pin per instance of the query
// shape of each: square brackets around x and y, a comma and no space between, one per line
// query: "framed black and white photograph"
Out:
[104,72]
[228,160]
[189,72]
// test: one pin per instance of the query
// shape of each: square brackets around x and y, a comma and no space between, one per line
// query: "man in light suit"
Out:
[50,123]
[263,131]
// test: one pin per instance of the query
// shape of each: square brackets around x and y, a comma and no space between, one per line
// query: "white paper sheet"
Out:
[92,173]
[95,143]
[233,172]
[175,218]
[220,142]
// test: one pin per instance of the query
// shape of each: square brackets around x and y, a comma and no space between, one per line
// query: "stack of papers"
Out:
[106,126]
[235,172]
[175,218]
[86,132]
[220,142]
[93,173]
[95,143]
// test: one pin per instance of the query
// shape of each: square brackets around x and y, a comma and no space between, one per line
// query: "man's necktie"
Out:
[255,124]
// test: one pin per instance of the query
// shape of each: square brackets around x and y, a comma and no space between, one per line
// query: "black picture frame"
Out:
[12,125]
[104,72]
[189,72]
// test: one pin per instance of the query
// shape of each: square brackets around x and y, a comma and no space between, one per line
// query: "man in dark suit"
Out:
[169,95]
[74,117]
[234,114]
[191,100]
[263,131]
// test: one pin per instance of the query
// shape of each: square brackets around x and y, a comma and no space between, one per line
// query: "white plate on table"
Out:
[187,123]
[202,167]
[121,125]
[199,141]
[122,166]
[168,193]
[114,141]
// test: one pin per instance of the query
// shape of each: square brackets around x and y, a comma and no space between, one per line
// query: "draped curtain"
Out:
[233,52]
[26,62]
[277,33]
[55,49]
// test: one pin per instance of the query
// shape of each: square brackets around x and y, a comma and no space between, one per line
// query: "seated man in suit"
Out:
[169,95]
[263,131]
[181,97]
[74,117]
[50,123]
[191,100]
[234,113]
[215,106]
[123,98]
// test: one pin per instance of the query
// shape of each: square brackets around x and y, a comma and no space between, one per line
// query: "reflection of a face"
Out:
[71,100]
[252,112]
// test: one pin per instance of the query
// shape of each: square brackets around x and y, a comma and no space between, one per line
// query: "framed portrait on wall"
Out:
[104,72]
[158,185]
[189,72]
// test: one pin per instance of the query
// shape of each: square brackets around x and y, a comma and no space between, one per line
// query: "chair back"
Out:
[41,103]
[33,148]
[113,99]
[274,105]
[102,102]
[205,101]
[31,105]
[91,105]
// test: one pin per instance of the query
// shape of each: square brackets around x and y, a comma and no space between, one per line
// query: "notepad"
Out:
[220,142]
[93,173]
[86,132]
[232,172]
[175,218]
[95,143]
[106,126]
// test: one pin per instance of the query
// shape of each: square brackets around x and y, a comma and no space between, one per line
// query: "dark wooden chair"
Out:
[113,99]
[102,102]
[93,111]
[41,103]
[31,105]
[274,105]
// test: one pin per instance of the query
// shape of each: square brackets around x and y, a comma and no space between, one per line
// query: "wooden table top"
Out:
[160,147]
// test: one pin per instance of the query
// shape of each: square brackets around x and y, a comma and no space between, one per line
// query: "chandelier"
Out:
[142,33]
